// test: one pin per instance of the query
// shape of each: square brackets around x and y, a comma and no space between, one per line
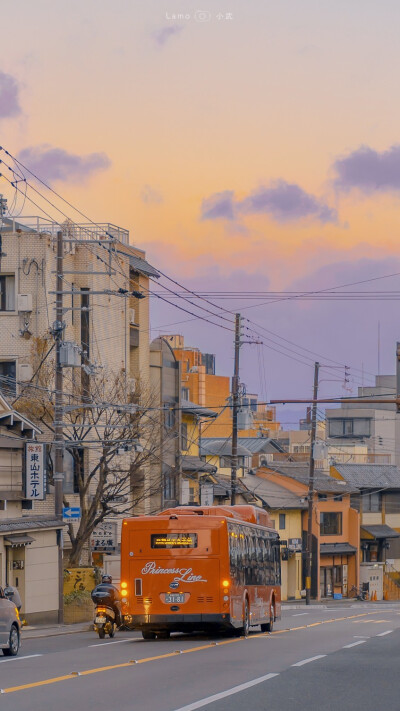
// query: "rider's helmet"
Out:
[106,579]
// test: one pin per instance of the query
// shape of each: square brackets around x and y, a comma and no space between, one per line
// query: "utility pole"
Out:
[311,485]
[58,332]
[235,408]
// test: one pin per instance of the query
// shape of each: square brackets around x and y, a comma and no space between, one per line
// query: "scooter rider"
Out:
[107,593]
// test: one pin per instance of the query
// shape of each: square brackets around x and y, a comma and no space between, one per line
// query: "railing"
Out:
[81,231]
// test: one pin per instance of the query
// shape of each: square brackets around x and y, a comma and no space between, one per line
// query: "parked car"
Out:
[10,625]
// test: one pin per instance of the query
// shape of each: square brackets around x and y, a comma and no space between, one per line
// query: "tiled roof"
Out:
[322,481]
[29,523]
[221,447]
[255,445]
[369,476]
[195,464]
[273,495]
[380,531]
[336,549]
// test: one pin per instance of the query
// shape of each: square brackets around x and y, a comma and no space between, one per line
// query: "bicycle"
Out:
[358,593]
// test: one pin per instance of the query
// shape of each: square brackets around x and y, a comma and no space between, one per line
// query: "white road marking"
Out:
[361,636]
[354,644]
[224,694]
[18,659]
[382,634]
[299,614]
[307,661]
[104,644]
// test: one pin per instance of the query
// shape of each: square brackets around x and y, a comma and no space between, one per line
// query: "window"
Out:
[7,292]
[169,419]
[8,370]
[184,436]
[372,502]
[226,462]
[322,497]
[282,521]
[26,504]
[349,427]
[330,524]
[337,576]
[185,393]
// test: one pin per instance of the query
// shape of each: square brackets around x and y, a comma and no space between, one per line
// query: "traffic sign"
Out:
[71,512]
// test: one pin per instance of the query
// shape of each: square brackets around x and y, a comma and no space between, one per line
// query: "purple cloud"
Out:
[286,202]
[368,170]
[283,201]
[151,196]
[219,206]
[161,37]
[53,164]
[9,100]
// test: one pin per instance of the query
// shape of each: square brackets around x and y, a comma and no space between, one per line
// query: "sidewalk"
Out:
[327,603]
[32,632]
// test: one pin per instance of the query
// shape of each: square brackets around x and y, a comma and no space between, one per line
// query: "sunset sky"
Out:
[248,145]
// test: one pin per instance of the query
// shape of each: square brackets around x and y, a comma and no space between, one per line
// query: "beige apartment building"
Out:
[106,286]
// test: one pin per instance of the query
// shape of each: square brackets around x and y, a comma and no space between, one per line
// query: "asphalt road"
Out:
[328,659]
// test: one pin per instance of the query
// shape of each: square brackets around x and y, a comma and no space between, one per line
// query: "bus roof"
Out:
[241,512]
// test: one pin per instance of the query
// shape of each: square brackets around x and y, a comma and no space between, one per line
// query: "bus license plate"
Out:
[173,598]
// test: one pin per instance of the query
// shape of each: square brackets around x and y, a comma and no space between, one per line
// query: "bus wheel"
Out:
[148,634]
[269,626]
[246,619]
[164,634]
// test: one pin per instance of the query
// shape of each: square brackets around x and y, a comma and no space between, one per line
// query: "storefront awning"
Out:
[19,539]
[337,549]
[378,531]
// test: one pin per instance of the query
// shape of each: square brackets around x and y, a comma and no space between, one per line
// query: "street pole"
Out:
[311,486]
[235,407]
[58,331]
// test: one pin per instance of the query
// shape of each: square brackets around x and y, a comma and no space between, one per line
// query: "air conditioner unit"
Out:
[264,461]
[24,302]
[25,372]
[132,316]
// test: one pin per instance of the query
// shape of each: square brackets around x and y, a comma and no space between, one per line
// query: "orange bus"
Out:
[199,568]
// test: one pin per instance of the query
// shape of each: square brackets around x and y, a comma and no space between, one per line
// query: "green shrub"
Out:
[78,597]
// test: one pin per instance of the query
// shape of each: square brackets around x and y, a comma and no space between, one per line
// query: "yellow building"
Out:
[286,510]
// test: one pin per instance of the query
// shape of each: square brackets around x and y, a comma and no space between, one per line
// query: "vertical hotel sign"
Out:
[35,474]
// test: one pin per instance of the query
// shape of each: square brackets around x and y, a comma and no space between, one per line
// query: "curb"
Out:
[35,634]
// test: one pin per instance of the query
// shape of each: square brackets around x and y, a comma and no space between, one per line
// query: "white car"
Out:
[10,625]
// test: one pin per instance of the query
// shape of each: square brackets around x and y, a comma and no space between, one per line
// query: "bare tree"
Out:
[112,435]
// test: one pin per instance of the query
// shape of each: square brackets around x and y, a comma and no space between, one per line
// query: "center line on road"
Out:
[307,661]
[224,694]
[354,644]
[382,634]
[104,644]
[18,659]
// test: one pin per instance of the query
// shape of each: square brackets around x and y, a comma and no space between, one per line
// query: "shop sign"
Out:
[35,471]
[295,544]
[104,537]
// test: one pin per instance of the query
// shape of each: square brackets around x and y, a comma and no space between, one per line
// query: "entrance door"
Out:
[326,582]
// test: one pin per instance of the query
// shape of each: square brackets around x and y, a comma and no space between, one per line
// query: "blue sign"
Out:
[71,512]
